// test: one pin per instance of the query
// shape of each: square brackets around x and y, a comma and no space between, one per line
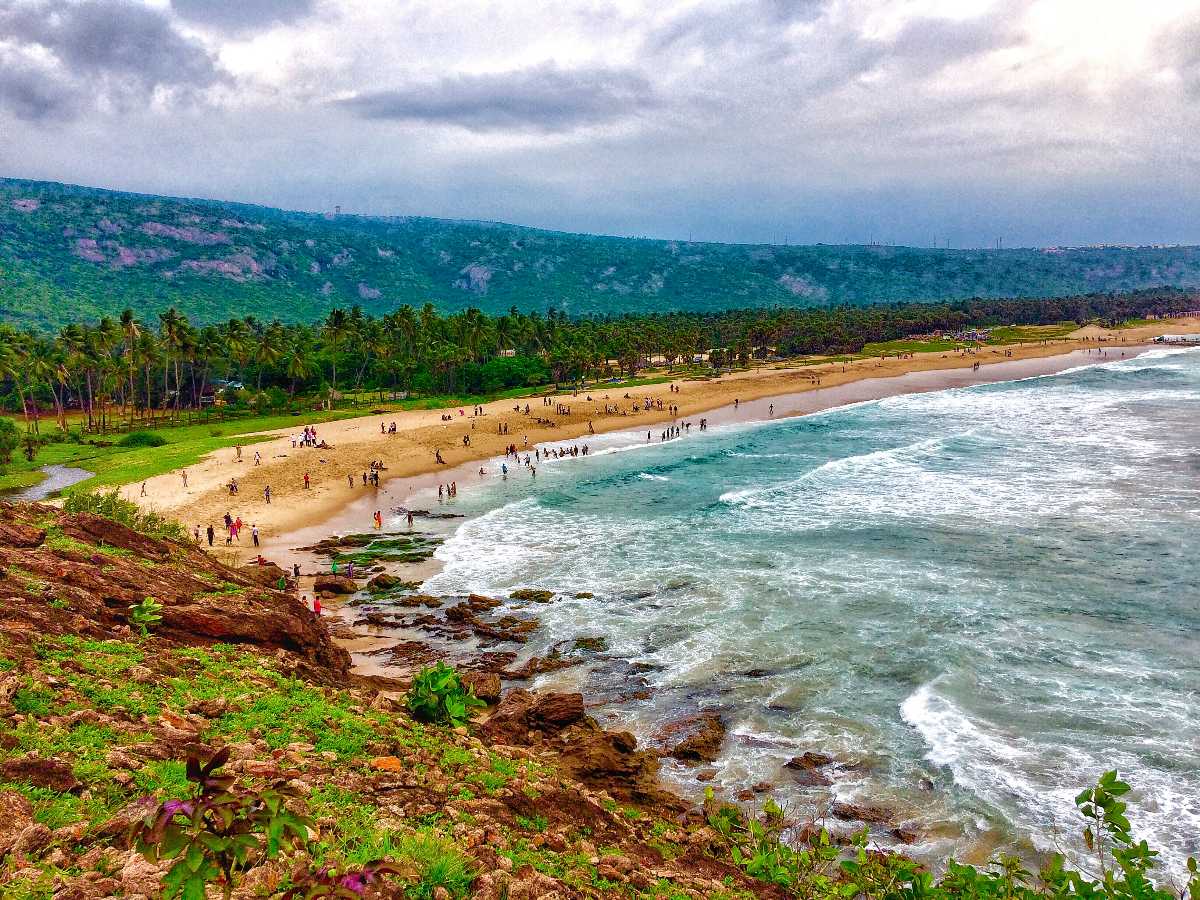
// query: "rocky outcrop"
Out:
[522,712]
[603,759]
[97,568]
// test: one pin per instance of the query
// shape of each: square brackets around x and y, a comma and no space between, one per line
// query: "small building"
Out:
[1178,339]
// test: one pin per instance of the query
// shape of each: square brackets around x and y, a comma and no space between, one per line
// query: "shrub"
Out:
[142,439]
[215,834]
[438,696]
[10,439]
[111,505]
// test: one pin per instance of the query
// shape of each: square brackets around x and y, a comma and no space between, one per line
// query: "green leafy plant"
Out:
[215,834]
[439,696]
[145,614]
[815,867]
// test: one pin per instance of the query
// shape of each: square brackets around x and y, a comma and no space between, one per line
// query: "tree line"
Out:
[122,368]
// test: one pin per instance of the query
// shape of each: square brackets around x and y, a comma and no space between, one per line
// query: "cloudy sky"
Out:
[1034,122]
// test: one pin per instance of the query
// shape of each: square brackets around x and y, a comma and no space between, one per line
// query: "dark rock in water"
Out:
[50,773]
[811,778]
[905,835]
[335,584]
[538,665]
[745,795]
[761,787]
[479,603]
[693,739]
[758,673]
[425,513]
[532,594]
[640,667]
[706,774]
[584,595]
[590,644]
[862,812]
[925,784]
[808,761]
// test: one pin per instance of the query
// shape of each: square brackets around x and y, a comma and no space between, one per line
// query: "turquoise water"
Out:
[986,596]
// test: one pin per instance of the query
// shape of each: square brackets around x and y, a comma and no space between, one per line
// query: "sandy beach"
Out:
[330,502]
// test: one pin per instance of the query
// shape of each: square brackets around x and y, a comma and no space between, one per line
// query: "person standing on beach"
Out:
[254,534]
[211,535]
[306,480]
[184,474]
[410,520]
[143,489]
[267,493]
[350,481]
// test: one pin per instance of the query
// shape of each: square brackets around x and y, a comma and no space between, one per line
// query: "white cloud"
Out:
[729,119]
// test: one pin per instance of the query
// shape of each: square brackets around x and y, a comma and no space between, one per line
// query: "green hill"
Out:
[70,253]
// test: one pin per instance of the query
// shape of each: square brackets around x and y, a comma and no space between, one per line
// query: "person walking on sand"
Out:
[184,474]
[238,448]
[257,458]
[350,481]
[254,534]
[267,493]
[410,520]
[211,535]
[196,533]
[143,489]
[306,481]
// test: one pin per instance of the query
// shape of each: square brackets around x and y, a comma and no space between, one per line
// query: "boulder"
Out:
[384,582]
[693,739]
[17,534]
[16,814]
[485,684]
[522,711]
[808,761]
[610,760]
[335,584]
[46,772]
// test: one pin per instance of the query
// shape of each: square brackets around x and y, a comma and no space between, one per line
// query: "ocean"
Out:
[978,599]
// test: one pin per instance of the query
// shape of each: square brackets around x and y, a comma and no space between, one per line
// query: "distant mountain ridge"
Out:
[70,252]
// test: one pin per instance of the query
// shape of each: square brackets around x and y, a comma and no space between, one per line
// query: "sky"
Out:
[922,122]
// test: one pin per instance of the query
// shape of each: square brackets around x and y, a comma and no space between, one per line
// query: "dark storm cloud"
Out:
[100,48]
[31,94]
[544,98]
[241,15]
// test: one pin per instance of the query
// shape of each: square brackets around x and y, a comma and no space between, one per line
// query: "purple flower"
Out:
[171,807]
[355,881]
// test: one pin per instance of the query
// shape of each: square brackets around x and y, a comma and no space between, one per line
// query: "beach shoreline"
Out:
[296,516]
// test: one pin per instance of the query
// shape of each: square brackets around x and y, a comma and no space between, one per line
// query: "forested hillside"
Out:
[70,253]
